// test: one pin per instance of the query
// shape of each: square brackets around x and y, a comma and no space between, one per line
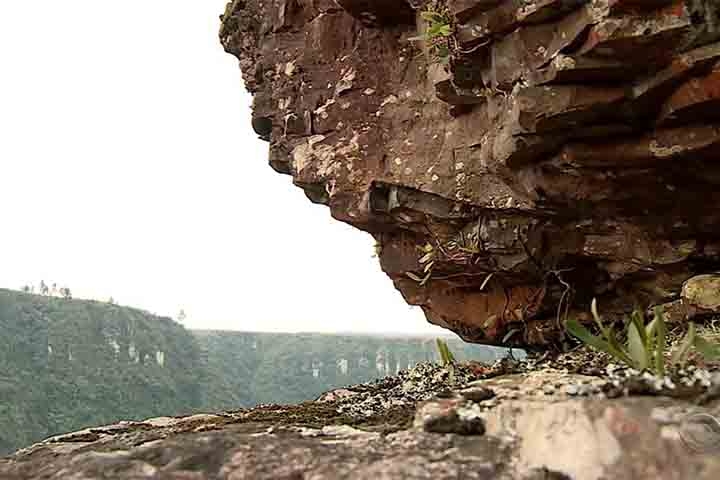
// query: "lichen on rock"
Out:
[512,420]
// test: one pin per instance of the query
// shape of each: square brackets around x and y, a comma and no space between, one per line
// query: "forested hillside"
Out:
[252,368]
[67,364]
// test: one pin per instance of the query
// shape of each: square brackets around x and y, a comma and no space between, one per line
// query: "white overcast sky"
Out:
[128,168]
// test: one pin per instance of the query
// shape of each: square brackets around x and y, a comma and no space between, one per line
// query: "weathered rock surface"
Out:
[568,150]
[539,423]
[699,297]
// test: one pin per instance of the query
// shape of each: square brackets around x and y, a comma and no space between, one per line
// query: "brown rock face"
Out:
[568,149]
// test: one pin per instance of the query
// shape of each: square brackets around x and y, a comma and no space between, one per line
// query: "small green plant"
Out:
[438,30]
[446,356]
[377,249]
[645,346]
[427,260]
[229,10]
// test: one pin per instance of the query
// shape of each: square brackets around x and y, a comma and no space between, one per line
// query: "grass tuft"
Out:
[645,345]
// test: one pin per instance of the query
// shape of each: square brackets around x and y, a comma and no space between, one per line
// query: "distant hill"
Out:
[252,368]
[69,364]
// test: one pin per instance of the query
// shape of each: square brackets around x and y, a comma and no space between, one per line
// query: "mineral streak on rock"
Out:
[568,150]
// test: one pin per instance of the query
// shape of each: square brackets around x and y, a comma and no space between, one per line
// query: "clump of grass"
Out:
[438,30]
[446,356]
[645,345]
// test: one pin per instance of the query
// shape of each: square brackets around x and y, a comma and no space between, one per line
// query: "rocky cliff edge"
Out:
[528,421]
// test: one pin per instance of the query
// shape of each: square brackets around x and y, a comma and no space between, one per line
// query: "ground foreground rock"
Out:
[540,422]
[562,150]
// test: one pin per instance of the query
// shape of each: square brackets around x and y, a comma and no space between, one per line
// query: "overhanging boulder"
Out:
[563,150]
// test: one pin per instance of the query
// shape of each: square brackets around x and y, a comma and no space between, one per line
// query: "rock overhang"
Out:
[563,152]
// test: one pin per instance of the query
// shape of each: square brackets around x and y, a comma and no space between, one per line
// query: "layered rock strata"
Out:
[545,153]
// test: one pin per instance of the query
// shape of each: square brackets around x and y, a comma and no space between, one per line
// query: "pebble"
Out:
[477,394]
[572,390]
[450,416]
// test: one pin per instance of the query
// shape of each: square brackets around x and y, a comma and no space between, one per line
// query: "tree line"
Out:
[48,290]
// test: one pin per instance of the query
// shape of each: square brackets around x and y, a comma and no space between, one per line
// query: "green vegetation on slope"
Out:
[69,364]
